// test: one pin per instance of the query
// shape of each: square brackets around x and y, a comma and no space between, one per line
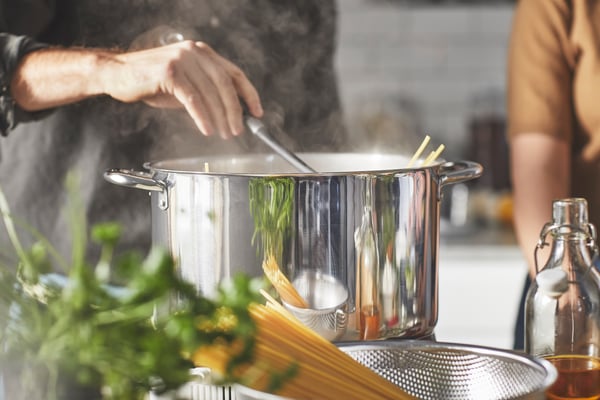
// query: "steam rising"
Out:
[286,49]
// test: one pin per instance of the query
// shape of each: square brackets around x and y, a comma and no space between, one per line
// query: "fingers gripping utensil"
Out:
[258,129]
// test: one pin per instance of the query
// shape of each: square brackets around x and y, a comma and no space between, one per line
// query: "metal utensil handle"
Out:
[259,130]
[459,171]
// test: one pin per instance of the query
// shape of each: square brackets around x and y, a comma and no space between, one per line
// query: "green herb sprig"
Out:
[115,342]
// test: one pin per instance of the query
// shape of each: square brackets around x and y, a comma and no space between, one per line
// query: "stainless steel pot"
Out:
[364,219]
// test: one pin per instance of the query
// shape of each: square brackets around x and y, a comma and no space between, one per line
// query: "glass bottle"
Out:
[562,309]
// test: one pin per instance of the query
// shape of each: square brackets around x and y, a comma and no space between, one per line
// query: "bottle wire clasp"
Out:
[589,231]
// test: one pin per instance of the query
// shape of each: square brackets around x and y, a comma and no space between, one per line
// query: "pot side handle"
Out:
[134,179]
[459,171]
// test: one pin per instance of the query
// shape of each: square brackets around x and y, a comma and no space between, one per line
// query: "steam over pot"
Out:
[365,219]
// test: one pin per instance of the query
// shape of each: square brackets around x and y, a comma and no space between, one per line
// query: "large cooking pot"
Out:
[364,219]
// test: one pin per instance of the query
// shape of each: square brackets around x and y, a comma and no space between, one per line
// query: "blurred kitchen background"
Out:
[410,68]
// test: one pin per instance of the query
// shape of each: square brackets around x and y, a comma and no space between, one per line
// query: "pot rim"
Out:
[382,164]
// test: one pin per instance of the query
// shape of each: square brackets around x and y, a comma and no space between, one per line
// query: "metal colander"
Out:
[431,370]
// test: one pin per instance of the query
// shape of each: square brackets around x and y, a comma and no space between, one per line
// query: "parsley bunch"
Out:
[77,331]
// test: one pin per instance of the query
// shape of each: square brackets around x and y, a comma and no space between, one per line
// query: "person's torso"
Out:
[584,51]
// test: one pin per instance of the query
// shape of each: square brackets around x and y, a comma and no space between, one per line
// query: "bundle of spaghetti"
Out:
[324,371]
[282,285]
[319,369]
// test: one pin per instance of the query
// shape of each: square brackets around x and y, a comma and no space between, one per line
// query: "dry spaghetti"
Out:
[433,156]
[430,158]
[319,369]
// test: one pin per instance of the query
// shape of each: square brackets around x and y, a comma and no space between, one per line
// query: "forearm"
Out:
[184,74]
[540,173]
[53,77]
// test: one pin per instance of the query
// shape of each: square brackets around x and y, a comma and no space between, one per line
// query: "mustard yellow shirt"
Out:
[554,83]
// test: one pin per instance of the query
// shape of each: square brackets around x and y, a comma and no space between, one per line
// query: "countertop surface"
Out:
[481,276]
[476,235]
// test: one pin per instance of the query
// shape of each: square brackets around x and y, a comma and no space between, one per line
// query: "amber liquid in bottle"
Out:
[578,378]
[369,322]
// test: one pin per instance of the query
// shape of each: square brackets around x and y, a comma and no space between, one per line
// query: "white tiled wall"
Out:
[436,57]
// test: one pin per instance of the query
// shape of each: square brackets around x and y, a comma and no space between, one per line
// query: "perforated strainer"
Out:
[431,370]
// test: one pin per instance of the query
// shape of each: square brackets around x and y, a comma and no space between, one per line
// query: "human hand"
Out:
[185,74]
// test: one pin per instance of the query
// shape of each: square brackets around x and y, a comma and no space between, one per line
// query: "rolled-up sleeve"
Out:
[12,49]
